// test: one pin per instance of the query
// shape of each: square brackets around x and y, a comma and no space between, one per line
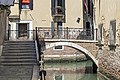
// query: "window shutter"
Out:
[89,5]
[20,4]
[112,32]
[100,27]
[53,7]
[31,5]
[63,10]
[52,28]
[114,29]
[63,6]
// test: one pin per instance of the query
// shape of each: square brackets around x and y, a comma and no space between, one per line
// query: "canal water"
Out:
[64,70]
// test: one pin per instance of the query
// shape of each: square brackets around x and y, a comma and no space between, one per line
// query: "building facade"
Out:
[55,15]
[107,18]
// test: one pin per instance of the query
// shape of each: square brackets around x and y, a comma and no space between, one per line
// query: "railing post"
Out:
[8,34]
[67,32]
[36,33]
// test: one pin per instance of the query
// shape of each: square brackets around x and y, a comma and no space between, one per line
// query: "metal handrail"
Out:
[38,43]
[67,33]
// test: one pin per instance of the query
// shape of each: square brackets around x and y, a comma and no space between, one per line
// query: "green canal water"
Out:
[64,70]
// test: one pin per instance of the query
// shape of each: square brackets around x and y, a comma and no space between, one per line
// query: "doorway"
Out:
[23,32]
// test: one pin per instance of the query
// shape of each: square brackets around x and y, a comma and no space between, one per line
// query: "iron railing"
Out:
[67,33]
[48,33]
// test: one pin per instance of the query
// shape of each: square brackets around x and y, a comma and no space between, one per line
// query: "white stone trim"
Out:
[13,35]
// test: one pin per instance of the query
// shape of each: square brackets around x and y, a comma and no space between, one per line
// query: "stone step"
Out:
[19,54]
[19,57]
[18,64]
[19,51]
[18,48]
[19,43]
[17,60]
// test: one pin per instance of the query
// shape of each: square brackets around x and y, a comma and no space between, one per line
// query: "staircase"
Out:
[17,60]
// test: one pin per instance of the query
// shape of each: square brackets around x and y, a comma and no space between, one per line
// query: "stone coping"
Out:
[70,40]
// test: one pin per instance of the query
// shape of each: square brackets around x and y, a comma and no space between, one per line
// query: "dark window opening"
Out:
[87,25]
[59,2]
[59,11]
[58,47]
[88,31]
[58,6]
[23,30]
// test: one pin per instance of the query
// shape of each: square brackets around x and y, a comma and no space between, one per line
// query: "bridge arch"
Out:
[76,46]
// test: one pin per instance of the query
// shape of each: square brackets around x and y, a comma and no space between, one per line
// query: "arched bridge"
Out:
[76,46]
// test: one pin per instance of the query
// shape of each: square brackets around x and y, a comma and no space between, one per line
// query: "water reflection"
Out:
[71,71]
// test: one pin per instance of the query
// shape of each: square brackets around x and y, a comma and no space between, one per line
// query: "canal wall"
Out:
[109,63]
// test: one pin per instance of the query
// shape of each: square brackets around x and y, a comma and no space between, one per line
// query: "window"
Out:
[58,3]
[26,4]
[58,77]
[60,47]
[88,29]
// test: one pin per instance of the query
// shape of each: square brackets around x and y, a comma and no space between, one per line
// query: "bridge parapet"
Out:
[90,45]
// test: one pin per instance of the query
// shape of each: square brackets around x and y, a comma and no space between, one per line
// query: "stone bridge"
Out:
[87,47]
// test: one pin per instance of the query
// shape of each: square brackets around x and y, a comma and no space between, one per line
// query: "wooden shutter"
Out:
[31,5]
[100,26]
[63,6]
[52,28]
[63,10]
[20,4]
[89,5]
[113,23]
[53,7]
